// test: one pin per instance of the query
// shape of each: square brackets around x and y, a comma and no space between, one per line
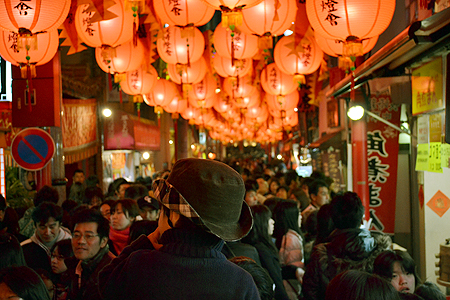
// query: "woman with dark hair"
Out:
[11,253]
[289,241]
[354,284]
[22,282]
[62,252]
[399,268]
[123,215]
[260,237]
[9,220]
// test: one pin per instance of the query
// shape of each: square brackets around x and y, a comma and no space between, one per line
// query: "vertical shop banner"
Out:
[332,167]
[382,153]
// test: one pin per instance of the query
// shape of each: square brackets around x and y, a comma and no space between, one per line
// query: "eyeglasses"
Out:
[58,257]
[88,237]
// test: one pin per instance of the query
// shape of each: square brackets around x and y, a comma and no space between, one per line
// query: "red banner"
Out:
[382,153]
[124,131]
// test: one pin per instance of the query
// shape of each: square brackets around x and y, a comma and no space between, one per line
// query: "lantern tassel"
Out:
[29,86]
[120,94]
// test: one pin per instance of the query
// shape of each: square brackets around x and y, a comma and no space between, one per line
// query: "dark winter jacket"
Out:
[88,290]
[347,249]
[187,266]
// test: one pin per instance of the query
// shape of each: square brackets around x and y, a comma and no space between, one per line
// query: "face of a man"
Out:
[322,197]
[86,242]
[263,186]
[121,191]
[47,232]
[250,198]
[78,178]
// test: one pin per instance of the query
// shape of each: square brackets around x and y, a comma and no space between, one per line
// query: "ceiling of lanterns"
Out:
[241,81]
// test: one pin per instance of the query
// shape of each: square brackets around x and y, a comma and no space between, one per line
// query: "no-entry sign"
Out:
[32,148]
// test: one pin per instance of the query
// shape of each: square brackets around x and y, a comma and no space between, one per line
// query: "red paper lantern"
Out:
[121,59]
[187,74]
[269,16]
[282,106]
[250,101]
[239,46]
[225,67]
[231,4]
[180,45]
[112,32]
[258,113]
[140,81]
[294,58]
[47,46]
[275,82]
[342,20]
[202,94]
[33,15]
[177,105]
[183,12]
[336,47]
[239,88]
[222,104]
[162,93]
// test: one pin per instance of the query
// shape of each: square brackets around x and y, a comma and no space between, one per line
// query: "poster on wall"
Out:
[382,153]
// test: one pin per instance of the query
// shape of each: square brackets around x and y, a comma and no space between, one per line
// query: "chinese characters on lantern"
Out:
[23,8]
[175,7]
[273,78]
[331,10]
[236,41]
[167,44]
[87,22]
[12,37]
[134,79]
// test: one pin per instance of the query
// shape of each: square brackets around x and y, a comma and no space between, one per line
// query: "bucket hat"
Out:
[210,194]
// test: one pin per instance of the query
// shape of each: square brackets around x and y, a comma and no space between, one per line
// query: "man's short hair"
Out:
[92,180]
[91,192]
[118,182]
[136,191]
[47,210]
[77,171]
[347,210]
[316,185]
[94,216]
[46,193]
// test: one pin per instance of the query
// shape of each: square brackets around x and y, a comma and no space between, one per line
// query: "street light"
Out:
[107,112]
[356,112]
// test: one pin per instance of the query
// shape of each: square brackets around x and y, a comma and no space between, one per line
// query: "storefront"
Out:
[412,71]
[129,145]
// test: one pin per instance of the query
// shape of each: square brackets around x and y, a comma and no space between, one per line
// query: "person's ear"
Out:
[103,242]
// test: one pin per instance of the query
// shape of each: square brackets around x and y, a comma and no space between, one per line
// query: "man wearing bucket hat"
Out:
[202,205]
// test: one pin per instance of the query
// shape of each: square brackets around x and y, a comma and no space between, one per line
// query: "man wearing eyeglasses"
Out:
[90,247]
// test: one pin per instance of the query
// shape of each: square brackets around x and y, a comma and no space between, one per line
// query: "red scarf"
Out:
[119,238]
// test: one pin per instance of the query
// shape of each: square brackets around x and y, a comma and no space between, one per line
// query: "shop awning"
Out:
[123,131]
[421,40]
[331,139]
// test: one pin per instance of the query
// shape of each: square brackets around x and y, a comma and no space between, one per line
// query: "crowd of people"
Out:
[203,230]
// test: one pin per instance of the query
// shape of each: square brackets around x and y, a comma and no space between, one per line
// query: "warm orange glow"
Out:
[162,93]
[51,14]
[245,45]
[358,18]
[47,46]
[194,12]
[302,58]
[224,66]
[275,82]
[193,74]
[123,58]
[172,45]
[105,33]
[139,81]
[260,19]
